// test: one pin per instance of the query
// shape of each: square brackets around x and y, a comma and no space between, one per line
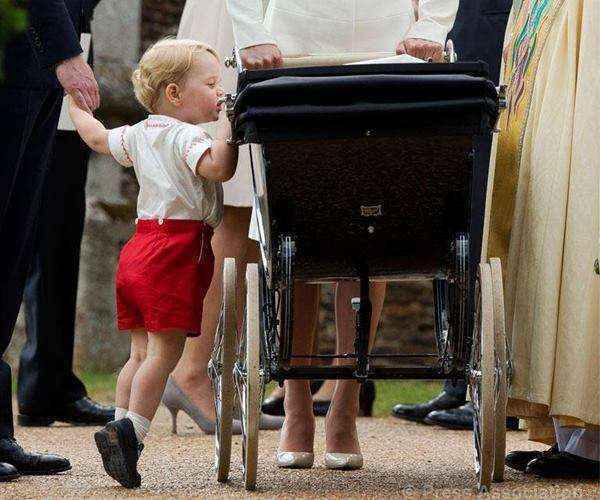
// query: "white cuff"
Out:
[196,151]
[252,34]
[427,29]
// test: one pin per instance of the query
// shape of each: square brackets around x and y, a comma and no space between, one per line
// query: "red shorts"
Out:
[163,274]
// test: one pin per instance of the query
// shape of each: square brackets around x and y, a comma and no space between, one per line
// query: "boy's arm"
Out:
[93,133]
[220,161]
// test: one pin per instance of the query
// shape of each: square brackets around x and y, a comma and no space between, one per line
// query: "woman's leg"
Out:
[148,384]
[297,433]
[230,240]
[341,435]
[137,354]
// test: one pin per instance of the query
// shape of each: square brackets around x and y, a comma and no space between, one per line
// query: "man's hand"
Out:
[78,80]
[261,57]
[423,49]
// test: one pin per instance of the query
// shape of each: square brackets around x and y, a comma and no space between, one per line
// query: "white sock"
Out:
[141,425]
[120,413]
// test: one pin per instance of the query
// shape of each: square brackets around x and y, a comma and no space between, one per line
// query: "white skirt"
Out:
[209,22]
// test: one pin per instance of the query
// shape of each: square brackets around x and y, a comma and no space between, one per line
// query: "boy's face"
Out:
[201,90]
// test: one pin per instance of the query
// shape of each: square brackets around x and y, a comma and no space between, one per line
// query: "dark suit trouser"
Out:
[46,377]
[478,34]
[27,128]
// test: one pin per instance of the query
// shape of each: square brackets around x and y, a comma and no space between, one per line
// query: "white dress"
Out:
[302,27]
[209,21]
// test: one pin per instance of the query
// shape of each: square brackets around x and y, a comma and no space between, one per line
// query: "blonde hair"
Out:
[165,62]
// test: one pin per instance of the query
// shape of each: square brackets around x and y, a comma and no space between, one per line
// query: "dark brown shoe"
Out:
[120,452]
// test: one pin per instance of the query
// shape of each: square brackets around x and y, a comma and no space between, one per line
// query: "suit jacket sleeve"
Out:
[436,18]
[51,32]
[248,29]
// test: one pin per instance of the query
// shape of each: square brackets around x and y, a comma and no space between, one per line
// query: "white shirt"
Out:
[164,152]
[333,26]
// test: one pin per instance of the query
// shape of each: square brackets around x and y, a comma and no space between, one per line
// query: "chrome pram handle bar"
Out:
[306,60]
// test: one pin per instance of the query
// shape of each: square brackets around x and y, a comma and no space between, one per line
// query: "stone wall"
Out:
[160,18]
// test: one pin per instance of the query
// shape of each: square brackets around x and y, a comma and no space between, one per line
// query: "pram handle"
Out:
[304,60]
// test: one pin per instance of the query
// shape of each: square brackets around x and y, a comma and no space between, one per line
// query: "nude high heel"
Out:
[176,400]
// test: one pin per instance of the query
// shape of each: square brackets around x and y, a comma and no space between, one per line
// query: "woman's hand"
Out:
[423,49]
[261,57]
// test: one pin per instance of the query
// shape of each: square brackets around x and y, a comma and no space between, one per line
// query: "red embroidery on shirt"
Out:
[150,124]
[123,145]
[192,143]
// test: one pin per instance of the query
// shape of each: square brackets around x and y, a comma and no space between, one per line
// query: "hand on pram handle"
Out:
[266,57]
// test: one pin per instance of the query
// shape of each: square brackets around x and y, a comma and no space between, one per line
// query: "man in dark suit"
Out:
[48,390]
[478,34]
[38,66]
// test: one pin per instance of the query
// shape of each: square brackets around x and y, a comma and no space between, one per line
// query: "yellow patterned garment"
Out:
[527,31]
[545,211]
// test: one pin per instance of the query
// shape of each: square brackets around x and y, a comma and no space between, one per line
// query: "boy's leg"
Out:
[137,355]
[120,442]
[148,384]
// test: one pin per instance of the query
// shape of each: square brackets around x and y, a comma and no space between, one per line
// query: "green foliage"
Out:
[392,392]
[13,20]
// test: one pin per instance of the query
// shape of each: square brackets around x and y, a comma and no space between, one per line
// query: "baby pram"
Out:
[366,172]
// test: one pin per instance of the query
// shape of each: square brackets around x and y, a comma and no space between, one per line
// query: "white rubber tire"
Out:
[253,386]
[482,380]
[501,368]
[227,337]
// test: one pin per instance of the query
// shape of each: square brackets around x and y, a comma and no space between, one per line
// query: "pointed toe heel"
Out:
[343,461]
[295,459]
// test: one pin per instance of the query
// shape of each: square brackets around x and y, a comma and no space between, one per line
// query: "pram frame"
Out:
[452,343]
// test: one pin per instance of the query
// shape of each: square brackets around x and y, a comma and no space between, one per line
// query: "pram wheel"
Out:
[220,370]
[481,378]
[501,379]
[248,378]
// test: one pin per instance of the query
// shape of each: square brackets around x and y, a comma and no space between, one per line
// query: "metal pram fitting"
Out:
[366,172]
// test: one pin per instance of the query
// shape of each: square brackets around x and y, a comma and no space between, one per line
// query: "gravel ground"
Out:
[401,459]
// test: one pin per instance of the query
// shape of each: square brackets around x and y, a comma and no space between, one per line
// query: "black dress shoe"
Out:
[8,472]
[418,412]
[31,464]
[120,452]
[455,418]
[366,399]
[84,411]
[563,465]
[518,460]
